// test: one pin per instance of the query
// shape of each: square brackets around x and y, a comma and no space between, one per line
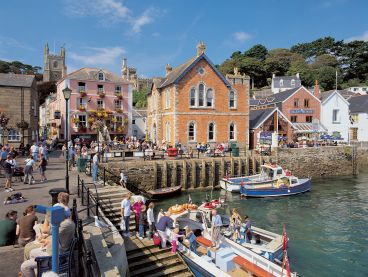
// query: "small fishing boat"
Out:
[163,192]
[285,186]
[269,173]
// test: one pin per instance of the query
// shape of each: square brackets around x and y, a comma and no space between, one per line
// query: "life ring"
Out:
[177,209]
[212,205]
[192,207]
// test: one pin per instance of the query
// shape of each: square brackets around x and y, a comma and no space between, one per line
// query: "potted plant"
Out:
[101,94]
[91,119]
[114,120]
[76,120]
[120,129]
[82,93]
[82,107]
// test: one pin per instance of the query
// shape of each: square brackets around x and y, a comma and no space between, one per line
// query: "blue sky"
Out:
[99,33]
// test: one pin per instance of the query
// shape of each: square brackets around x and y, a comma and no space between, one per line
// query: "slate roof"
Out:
[253,102]
[344,93]
[325,95]
[359,104]
[278,97]
[256,117]
[16,80]
[88,73]
[139,113]
[286,81]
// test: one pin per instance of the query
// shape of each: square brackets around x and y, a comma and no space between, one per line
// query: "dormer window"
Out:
[293,83]
[281,83]
[101,76]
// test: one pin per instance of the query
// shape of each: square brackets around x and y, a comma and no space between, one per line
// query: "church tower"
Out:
[54,65]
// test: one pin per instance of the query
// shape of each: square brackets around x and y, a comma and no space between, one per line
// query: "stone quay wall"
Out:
[205,173]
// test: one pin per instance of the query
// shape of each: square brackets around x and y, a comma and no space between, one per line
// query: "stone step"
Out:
[115,195]
[139,253]
[166,267]
[112,189]
[151,259]
[173,272]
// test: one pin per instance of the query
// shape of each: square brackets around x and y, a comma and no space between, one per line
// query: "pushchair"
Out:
[18,174]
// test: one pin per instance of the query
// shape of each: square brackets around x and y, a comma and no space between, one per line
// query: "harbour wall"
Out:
[205,173]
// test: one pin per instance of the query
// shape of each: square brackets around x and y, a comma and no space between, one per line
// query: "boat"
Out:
[230,259]
[163,192]
[269,173]
[289,185]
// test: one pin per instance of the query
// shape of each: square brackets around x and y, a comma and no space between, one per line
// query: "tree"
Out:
[278,61]
[326,77]
[140,98]
[254,68]
[227,66]
[258,52]
[306,73]
[325,60]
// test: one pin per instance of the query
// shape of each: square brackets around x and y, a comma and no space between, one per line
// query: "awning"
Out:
[308,128]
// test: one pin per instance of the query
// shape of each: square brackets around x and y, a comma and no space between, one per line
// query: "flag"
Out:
[190,200]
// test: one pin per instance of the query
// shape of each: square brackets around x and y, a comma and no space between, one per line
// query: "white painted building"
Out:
[335,114]
[139,123]
[359,90]
[359,118]
[282,83]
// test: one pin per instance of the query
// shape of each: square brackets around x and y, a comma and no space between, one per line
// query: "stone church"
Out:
[54,65]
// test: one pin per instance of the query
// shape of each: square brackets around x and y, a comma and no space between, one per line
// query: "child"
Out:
[189,235]
[142,222]
[174,239]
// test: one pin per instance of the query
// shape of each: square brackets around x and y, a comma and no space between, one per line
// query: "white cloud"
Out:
[98,56]
[147,17]
[363,37]
[242,36]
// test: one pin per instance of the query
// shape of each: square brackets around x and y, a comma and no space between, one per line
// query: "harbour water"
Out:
[327,227]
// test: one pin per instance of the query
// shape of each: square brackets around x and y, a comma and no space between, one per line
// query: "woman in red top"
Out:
[137,207]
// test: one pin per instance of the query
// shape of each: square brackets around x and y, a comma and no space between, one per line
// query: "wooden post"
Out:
[203,174]
[213,173]
[193,173]
[184,175]
[174,174]
[222,168]
[164,175]
[155,176]
[232,168]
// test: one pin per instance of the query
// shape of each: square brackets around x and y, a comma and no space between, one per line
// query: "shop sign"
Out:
[301,111]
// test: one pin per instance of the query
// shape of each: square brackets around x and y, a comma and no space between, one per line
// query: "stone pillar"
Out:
[184,176]
[164,175]
[155,176]
[203,174]
[193,180]
[174,174]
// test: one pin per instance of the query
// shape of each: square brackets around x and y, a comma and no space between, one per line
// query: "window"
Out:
[335,116]
[191,131]
[354,133]
[211,131]
[309,118]
[232,131]
[81,87]
[232,100]
[119,121]
[167,99]
[117,89]
[81,104]
[354,118]
[281,83]
[101,76]
[201,71]
[296,103]
[133,121]
[13,135]
[201,95]
[209,97]
[306,103]
[82,121]
[292,82]
[192,97]
[294,118]
[167,131]
[117,103]
[100,104]
[55,64]
[100,88]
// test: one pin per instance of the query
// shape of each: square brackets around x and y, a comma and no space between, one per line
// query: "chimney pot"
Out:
[201,48]
[168,69]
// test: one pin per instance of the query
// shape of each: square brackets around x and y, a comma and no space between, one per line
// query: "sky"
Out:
[151,34]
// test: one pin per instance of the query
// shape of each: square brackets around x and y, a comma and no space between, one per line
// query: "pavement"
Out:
[36,194]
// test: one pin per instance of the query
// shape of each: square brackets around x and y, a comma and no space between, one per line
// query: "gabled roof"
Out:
[344,93]
[257,117]
[16,80]
[88,73]
[359,104]
[286,81]
[179,72]
[325,96]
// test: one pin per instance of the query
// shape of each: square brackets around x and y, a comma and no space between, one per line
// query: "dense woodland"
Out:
[316,60]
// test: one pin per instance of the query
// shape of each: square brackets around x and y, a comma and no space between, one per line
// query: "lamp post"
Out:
[67,92]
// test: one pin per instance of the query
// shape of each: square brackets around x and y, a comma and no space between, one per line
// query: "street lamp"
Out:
[67,92]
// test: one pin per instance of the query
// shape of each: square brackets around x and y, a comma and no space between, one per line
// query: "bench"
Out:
[252,268]
[203,241]
[44,264]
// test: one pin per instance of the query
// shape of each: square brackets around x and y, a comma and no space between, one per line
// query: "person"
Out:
[142,222]
[42,167]
[235,221]
[8,168]
[25,231]
[248,231]
[95,162]
[71,156]
[151,219]
[8,228]
[215,228]
[123,179]
[34,151]
[160,214]
[63,150]
[174,239]
[125,213]
[164,222]
[258,239]
[66,234]
[28,171]
[189,235]
[137,207]
[63,201]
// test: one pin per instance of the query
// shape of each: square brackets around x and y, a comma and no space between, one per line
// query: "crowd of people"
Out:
[36,236]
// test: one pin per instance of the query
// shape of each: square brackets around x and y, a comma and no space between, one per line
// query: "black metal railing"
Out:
[87,198]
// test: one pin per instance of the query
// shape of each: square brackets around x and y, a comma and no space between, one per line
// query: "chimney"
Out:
[201,48]
[316,91]
[168,69]
[124,69]
[273,75]
[297,75]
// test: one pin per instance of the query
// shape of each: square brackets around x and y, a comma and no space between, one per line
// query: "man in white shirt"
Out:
[28,171]
[125,213]
[123,179]
[34,151]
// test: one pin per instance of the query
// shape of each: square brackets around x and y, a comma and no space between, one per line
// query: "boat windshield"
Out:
[267,172]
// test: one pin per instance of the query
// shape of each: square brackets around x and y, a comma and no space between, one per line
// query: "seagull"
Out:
[99,223]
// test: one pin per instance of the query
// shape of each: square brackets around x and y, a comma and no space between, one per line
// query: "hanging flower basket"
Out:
[23,125]
[120,129]
[114,120]
[119,110]
[82,108]
[91,120]
[119,95]
[101,94]
[76,120]
[82,93]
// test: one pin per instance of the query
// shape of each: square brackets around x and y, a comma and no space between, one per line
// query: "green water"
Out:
[327,227]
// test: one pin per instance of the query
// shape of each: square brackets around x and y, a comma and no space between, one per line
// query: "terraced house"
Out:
[195,103]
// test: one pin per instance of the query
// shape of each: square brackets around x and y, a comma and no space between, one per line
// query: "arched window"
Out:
[232,131]
[201,95]
[232,99]
[167,99]
[209,97]
[192,97]
[191,131]
[167,131]
[101,76]
[211,131]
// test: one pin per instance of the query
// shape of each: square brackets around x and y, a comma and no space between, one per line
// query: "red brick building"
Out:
[195,103]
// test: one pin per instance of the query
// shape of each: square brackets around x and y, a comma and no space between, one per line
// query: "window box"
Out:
[101,94]
[82,128]
[118,94]
[82,108]
[82,93]
[76,120]
[118,110]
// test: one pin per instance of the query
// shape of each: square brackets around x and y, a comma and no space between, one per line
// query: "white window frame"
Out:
[204,95]
[281,82]
[14,135]
[213,131]
[292,82]
[101,74]
[103,104]
[81,101]
[190,97]
[194,137]
[212,102]
[337,119]
[118,89]
[120,104]
[235,100]
[99,90]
